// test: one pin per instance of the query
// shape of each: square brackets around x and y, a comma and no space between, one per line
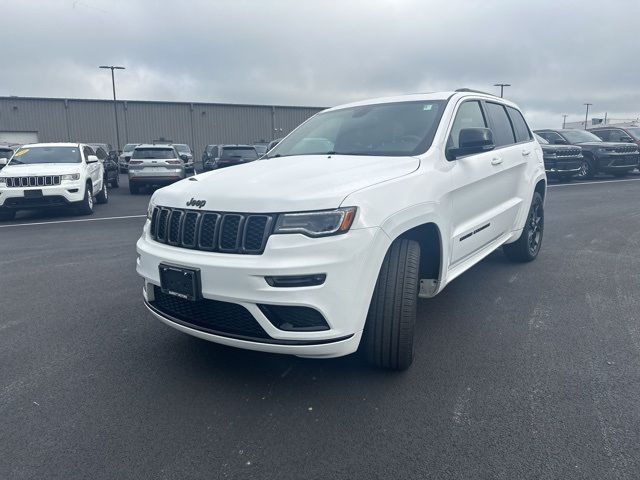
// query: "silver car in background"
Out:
[186,155]
[154,165]
[125,156]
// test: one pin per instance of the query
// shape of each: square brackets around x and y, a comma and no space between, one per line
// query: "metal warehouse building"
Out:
[198,124]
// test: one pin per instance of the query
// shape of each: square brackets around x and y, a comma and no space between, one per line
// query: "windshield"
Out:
[634,132]
[35,155]
[387,129]
[129,147]
[182,148]
[248,153]
[156,153]
[541,140]
[580,136]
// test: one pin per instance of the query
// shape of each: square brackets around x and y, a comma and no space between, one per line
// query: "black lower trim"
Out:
[23,203]
[244,337]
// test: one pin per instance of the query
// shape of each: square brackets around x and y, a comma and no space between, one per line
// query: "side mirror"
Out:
[472,140]
[559,141]
[184,158]
[3,161]
[92,159]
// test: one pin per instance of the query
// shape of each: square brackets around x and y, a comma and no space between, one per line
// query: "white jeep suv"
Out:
[325,244]
[45,175]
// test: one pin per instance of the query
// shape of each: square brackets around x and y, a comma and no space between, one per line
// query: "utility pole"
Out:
[501,85]
[564,120]
[115,105]
[586,115]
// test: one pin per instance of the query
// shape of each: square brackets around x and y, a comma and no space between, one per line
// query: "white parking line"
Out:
[71,221]
[593,183]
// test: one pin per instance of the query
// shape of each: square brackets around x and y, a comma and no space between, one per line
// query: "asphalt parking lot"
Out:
[521,371]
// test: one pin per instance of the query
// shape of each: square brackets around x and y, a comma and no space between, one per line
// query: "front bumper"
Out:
[351,263]
[54,196]
[616,162]
[559,166]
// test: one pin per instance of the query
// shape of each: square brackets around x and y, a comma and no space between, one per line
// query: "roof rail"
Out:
[474,91]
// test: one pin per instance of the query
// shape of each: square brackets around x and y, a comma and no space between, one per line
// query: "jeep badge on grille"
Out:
[196,203]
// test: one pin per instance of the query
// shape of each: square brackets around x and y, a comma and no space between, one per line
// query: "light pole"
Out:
[501,85]
[564,120]
[586,115]
[115,105]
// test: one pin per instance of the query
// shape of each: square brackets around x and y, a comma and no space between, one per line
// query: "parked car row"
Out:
[582,154]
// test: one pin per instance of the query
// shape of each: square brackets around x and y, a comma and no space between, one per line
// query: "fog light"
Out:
[290,281]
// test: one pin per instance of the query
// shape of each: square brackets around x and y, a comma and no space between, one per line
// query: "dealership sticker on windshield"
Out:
[19,153]
[427,106]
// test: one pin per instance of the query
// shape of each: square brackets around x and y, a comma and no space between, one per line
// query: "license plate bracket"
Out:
[33,194]
[180,282]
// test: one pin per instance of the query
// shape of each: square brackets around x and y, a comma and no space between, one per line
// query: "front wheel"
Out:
[527,247]
[389,331]
[103,194]
[587,170]
[86,205]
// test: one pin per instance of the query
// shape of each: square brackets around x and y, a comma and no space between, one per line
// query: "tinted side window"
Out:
[87,151]
[616,135]
[101,154]
[469,115]
[519,125]
[502,129]
[551,137]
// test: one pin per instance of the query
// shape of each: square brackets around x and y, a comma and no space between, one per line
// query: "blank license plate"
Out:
[180,282]
[33,193]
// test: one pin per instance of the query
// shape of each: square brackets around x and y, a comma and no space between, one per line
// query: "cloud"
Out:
[557,55]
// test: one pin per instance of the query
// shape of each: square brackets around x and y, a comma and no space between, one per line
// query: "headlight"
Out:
[317,224]
[150,209]
[71,176]
[3,181]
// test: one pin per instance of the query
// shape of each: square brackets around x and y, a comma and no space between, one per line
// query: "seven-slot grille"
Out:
[242,233]
[40,181]
[569,153]
[626,149]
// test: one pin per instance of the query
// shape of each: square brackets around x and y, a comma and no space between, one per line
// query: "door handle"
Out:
[496,160]
[526,152]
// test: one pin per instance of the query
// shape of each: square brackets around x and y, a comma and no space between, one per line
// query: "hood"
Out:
[606,144]
[558,148]
[40,169]
[298,183]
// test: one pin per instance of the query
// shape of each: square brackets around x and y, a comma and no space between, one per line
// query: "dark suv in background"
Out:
[615,158]
[220,156]
[561,162]
[6,152]
[618,134]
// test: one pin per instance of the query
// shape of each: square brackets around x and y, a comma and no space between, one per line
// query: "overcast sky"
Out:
[558,54]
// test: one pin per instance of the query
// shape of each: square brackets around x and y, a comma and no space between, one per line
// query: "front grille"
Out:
[39,181]
[213,316]
[241,233]
[626,149]
[569,154]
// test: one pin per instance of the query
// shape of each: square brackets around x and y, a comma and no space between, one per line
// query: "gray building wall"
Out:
[198,124]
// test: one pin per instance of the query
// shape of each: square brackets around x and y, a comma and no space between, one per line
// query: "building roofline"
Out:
[164,102]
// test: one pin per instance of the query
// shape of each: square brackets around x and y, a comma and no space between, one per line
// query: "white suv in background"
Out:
[325,244]
[45,175]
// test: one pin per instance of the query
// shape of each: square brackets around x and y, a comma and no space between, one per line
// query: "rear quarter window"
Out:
[523,134]
[501,125]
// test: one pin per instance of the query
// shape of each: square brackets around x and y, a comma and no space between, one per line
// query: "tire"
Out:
[527,247]
[7,215]
[86,205]
[133,188]
[389,330]
[587,170]
[115,183]
[103,194]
